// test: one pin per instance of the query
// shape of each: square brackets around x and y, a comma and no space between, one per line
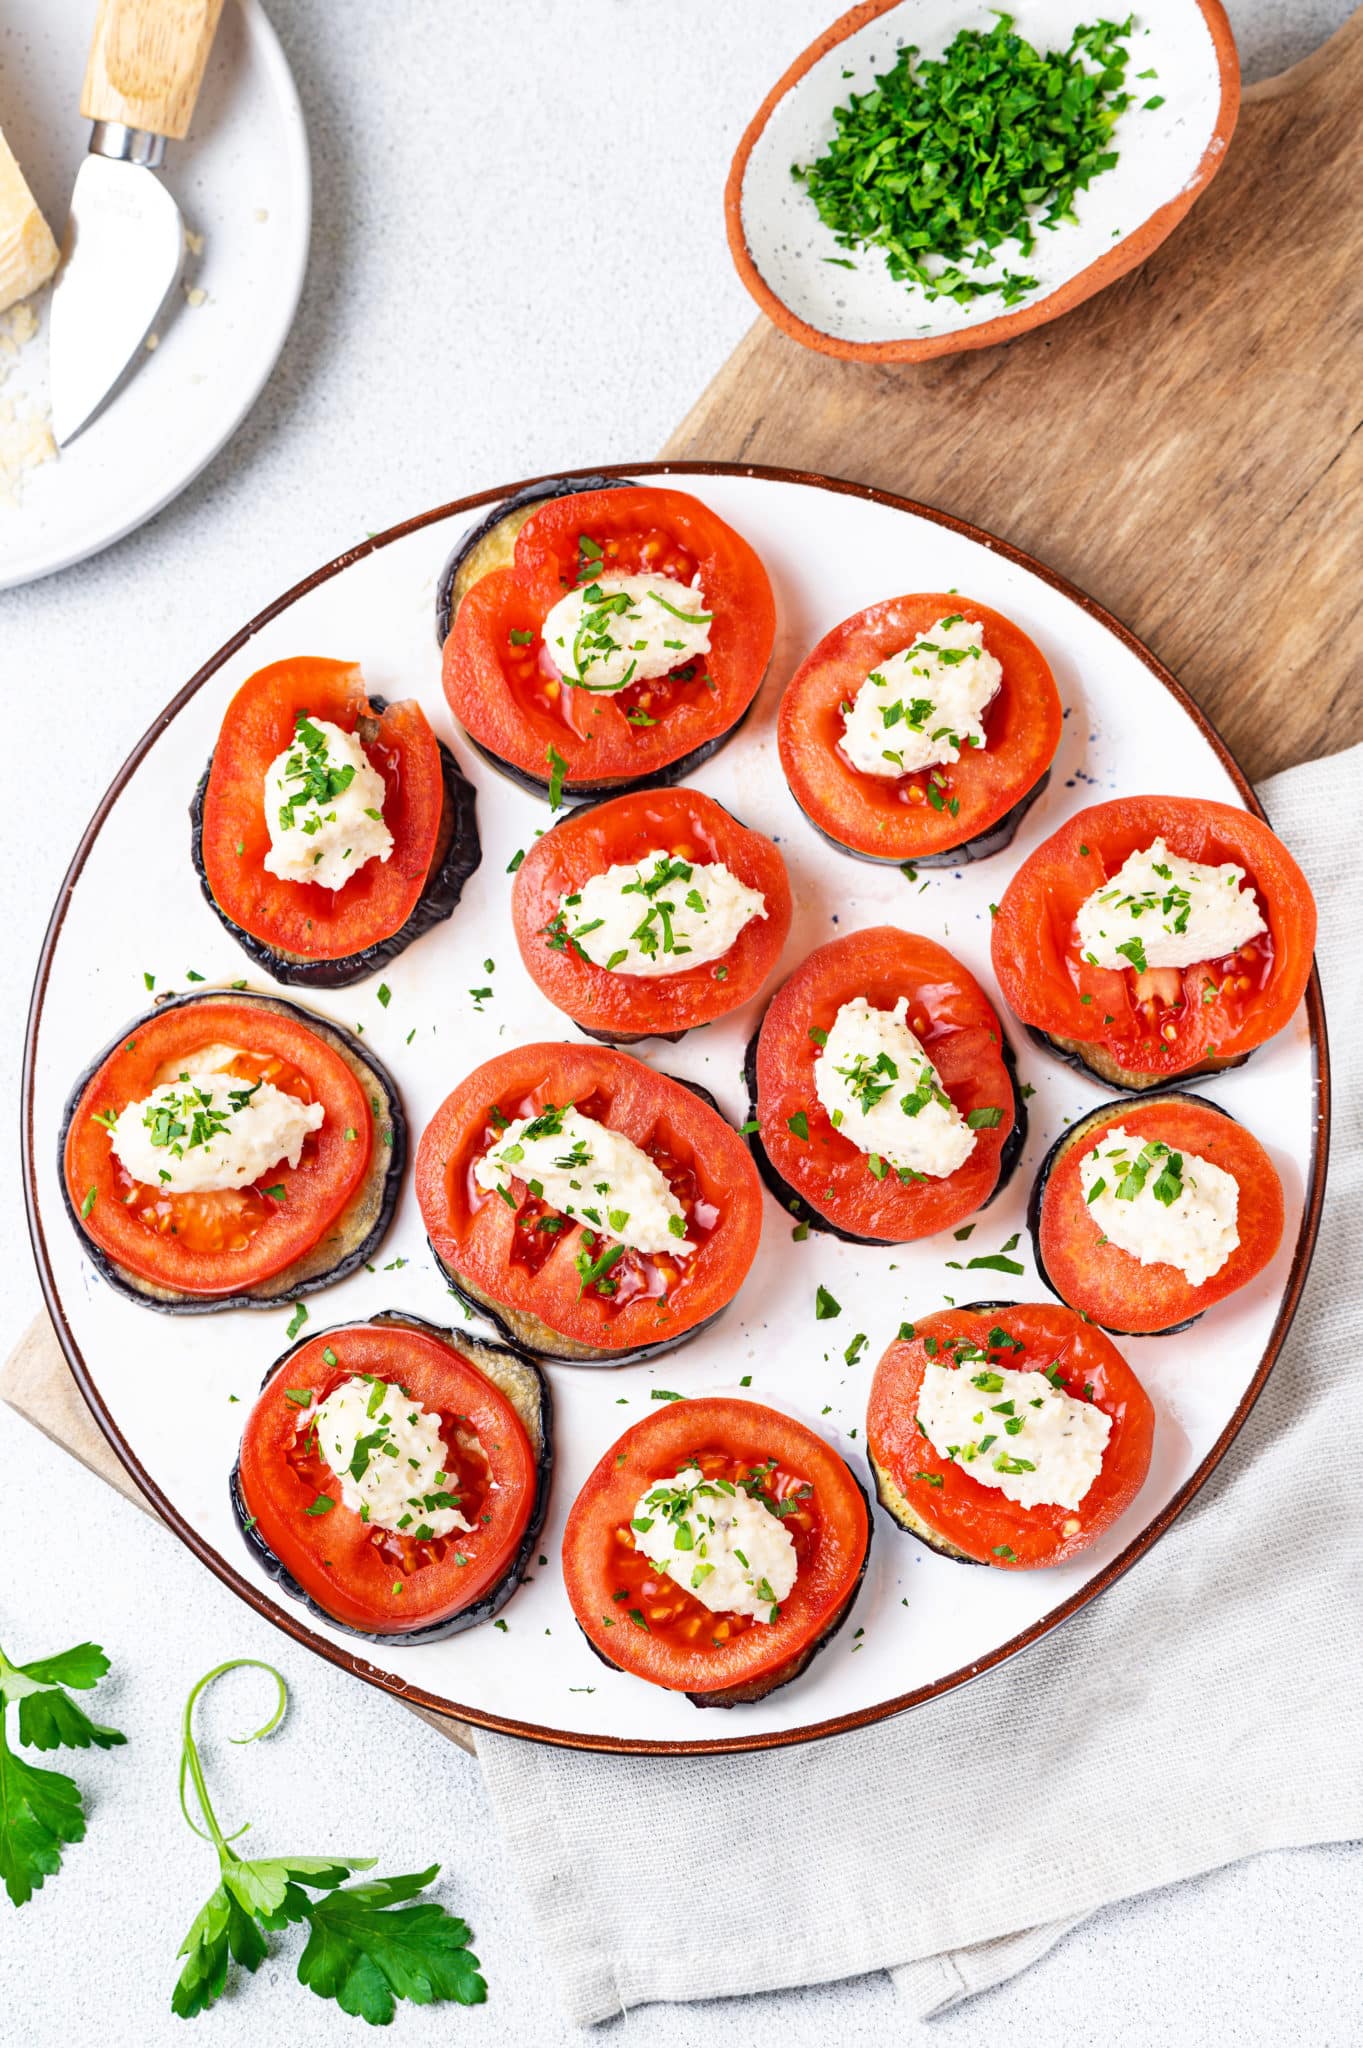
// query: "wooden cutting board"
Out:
[1184,447]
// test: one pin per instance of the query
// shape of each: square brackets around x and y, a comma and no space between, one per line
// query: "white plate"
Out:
[242,182]
[163,1388]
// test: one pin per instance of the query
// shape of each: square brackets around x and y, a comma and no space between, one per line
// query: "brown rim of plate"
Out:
[1130,251]
[261,1601]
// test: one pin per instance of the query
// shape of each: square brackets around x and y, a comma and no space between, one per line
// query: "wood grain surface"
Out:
[147,61]
[1185,446]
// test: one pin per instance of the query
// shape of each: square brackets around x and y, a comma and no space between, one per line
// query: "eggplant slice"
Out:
[492,542]
[349,1242]
[527,1333]
[762,1688]
[1076,1134]
[795,1203]
[525,1387]
[458,853]
[983,846]
[893,1500]
[1098,1064]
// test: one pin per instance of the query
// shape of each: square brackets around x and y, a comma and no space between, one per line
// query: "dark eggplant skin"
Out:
[893,1501]
[1095,1064]
[1000,834]
[585,792]
[528,1335]
[370,1212]
[458,854]
[1075,1135]
[534,1406]
[796,1205]
[785,1674]
[491,542]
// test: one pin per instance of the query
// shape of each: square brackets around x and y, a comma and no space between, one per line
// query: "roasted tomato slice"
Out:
[963,810]
[303,1221]
[1110,1285]
[639,1619]
[299,920]
[505,691]
[621,832]
[936,1497]
[817,1172]
[553,1284]
[1136,1031]
[376,1580]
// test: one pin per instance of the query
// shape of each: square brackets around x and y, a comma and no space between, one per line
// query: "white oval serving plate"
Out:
[242,183]
[172,1397]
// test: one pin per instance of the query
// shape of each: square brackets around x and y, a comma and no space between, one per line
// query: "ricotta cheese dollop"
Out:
[386,1452]
[324,807]
[589,1172]
[1165,1208]
[718,1543]
[206,1131]
[1160,910]
[883,1092]
[660,915]
[919,708]
[1015,1431]
[618,630]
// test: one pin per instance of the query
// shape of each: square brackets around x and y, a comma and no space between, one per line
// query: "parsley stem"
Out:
[190,1765]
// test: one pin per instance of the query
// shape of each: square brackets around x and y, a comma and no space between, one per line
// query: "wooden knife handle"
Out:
[147,62]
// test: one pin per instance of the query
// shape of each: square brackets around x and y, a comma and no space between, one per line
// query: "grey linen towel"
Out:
[1207,1707]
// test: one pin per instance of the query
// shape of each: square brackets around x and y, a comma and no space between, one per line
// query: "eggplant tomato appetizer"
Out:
[920,729]
[1146,1213]
[394,1476]
[330,828]
[715,1550]
[596,1211]
[619,647]
[1156,937]
[883,1101]
[648,914]
[491,542]
[230,1151]
[1007,1434]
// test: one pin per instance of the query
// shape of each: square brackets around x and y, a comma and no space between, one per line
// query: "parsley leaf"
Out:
[366,1947]
[40,1811]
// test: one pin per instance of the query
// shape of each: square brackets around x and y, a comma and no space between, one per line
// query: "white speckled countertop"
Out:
[447,339]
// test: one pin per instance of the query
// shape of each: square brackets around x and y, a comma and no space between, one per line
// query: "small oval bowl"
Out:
[794,267]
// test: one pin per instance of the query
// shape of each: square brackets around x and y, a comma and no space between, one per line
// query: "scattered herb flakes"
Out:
[825,1307]
[297,1319]
[558,768]
[384,994]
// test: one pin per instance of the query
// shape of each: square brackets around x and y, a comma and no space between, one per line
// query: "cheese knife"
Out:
[124,243]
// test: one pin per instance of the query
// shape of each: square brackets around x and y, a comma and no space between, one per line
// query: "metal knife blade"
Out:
[121,255]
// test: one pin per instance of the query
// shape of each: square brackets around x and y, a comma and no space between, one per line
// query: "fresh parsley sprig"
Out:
[366,1947]
[41,1811]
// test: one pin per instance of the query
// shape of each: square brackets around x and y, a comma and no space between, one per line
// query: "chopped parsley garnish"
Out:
[943,161]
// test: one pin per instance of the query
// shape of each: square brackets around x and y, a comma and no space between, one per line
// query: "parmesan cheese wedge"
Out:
[28,254]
